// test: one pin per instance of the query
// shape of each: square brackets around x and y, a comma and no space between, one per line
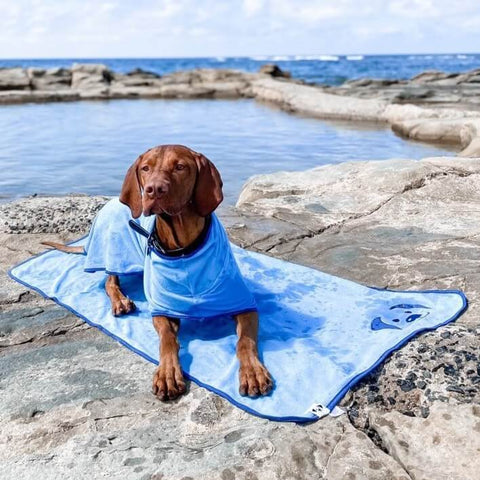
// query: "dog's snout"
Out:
[157,189]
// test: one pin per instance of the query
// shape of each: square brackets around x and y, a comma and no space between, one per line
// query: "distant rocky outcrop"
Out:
[96,81]
[274,71]
[431,87]
[14,79]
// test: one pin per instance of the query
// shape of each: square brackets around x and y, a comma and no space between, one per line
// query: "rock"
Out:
[136,78]
[311,100]
[371,82]
[473,79]
[443,446]
[274,71]
[431,76]
[414,94]
[183,90]
[457,131]
[38,214]
[51,79]
[140,72]
[356,459]
[14,79]
[359,82]
[90,76]
[330,194]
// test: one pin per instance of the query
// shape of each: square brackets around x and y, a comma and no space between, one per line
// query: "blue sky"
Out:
[170,28]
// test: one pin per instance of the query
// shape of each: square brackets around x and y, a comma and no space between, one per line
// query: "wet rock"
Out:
[51,79]
[432,76]
[140,72]
[414,94]
[90,76]
[371,82]
[14,79]
[274,71]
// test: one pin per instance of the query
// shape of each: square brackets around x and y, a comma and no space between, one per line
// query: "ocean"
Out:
[324,69]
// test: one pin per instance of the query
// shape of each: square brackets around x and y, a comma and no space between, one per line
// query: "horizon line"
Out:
[267,56]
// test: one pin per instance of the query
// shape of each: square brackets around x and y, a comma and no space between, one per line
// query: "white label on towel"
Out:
[319,410]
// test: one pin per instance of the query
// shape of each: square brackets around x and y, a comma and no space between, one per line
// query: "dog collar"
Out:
[153,242]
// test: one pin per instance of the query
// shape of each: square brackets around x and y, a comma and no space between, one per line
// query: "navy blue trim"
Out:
[305,419]
[164,313]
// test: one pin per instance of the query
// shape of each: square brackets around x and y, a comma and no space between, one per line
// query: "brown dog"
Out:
[181,187]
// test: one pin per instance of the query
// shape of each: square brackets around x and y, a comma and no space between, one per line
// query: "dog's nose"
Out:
[157,188]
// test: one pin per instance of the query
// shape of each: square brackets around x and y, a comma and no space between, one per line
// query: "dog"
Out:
[180,189]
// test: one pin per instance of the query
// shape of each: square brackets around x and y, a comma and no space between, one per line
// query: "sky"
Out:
[202,28]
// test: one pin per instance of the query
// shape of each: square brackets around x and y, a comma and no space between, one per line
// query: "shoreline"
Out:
[431,107]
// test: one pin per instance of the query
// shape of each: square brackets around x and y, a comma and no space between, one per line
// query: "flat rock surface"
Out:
[77,404]
[428,88]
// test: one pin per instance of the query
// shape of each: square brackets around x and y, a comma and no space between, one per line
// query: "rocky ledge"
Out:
[451,114]
[431,87]
[77,404]
[97,82]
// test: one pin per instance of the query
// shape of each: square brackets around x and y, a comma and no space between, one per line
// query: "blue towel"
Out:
[319,334]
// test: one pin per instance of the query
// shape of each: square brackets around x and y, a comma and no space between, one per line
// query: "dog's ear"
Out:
[131,193]
[208,194]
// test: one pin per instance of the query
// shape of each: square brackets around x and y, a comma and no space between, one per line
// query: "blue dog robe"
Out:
[204,283]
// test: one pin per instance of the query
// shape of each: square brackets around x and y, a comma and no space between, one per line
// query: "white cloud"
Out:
[101,28]
[252,7]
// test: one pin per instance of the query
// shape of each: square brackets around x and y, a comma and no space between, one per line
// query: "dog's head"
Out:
[168,178]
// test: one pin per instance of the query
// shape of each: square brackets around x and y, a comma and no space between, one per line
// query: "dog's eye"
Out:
[179,166]
[145,168]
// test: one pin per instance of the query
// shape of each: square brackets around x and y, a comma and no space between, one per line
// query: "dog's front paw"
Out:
[122,306]
[255,380]
[168,382]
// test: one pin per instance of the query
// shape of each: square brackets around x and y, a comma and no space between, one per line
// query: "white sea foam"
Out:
[286,58]
[322,58]
[355,57]
[328,58]
[462,57]
[259,58]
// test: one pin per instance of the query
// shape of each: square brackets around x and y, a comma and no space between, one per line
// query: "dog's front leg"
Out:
[254,377]
[121,305]
[168,381]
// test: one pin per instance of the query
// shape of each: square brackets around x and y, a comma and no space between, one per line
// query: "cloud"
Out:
[113,28]
[252,7]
